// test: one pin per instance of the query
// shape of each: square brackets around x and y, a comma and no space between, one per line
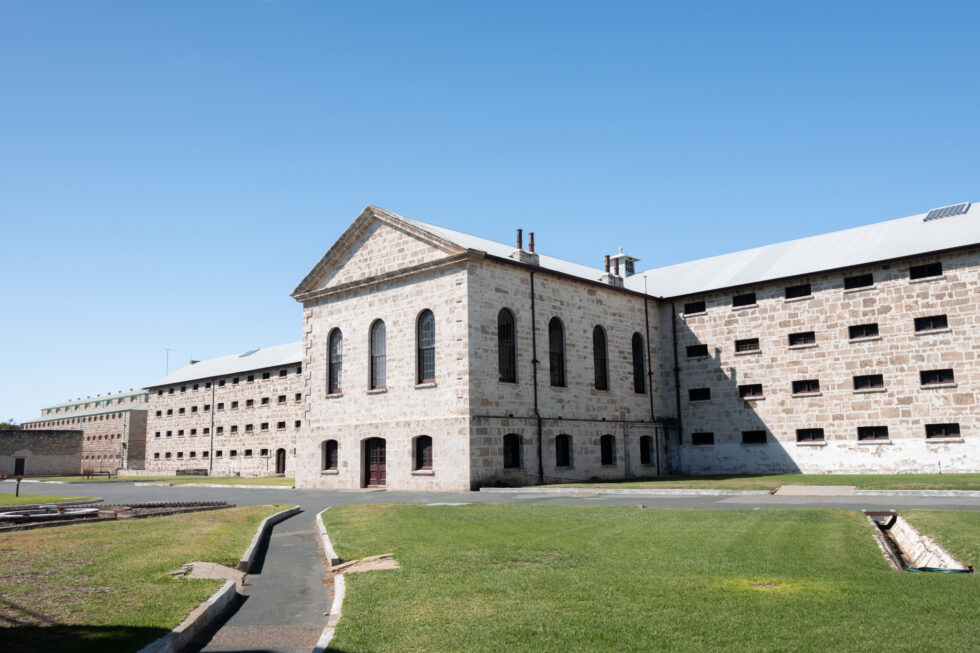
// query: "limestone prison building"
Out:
[433,359]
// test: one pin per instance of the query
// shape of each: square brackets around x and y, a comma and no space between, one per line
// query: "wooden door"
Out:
[280,461]
[18,466]
[374,450]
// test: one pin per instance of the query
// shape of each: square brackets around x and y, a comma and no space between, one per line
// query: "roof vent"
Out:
[248,353]
[947,211]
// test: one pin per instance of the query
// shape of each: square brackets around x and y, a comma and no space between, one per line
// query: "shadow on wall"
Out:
[722,430]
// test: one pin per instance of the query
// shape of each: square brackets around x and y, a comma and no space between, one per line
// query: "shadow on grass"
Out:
[23,629]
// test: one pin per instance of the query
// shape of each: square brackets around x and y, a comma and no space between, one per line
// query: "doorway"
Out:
[280,461]
[374,461]
[19,466]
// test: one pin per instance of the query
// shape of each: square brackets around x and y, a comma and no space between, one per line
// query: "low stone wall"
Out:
[44,452]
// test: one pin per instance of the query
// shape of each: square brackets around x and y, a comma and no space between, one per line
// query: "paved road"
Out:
[313,501]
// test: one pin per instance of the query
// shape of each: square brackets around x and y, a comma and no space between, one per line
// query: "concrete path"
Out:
[284,601]
[815,490]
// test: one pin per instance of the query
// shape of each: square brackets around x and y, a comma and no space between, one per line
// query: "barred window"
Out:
[563,451]
[639,365]
[378,355]
[600,358]
[607,450]
[556,352]
[872,433]
[806,386]
[512,451]
[506,346]
[423,452]
[859,281]
[646,450]
[335,351]
[426,345]
[863,330]
[809,435]
[329,455]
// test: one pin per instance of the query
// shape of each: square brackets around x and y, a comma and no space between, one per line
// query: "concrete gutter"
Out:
[13,480]
[581,491]
[248,558]
[966,494]
[33,506]
[328,550]
[339,589]
[213,485]
[200,618]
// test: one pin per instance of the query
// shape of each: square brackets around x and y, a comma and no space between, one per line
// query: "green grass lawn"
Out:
[490,577]
[958,531]
[771,481]
[234,480]
[104,587]
[27,499]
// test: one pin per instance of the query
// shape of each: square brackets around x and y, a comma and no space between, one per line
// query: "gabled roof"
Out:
[882,241]
[256,359]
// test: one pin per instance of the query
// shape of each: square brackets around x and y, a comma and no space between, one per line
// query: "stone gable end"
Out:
[380,249]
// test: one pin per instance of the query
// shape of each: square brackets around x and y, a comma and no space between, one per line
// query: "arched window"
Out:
[425,339]
[335,352]
[423,452]
[506,346]
[328,451]
[600,359]
[378,348]
[607,449]
[646,450]
[639,368]
[556,352]
[512,451]
[563,451]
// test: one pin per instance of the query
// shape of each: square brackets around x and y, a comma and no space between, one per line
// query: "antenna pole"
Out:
[168,350]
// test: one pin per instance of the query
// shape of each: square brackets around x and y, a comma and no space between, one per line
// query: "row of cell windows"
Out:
[235,380]
[421,454]
[219,453]
[100,457]
[73,420]
[798,291]
[812,386]
[111,436]
[94,404]
[864,434]
[220,430]
[855,332]
[425,344]
[234,405]
[513,451]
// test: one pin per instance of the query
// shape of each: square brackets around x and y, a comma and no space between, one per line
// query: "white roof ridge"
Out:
[257,359]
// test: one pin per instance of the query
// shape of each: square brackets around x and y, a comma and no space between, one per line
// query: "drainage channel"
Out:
[906,549]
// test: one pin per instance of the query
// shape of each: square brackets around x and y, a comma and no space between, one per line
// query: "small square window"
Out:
[863,331]
[750,391]
[233,453]
[207,385]
[193,431]
[701,439]
[221,382]
[156,454]
[218,453]
[297,424]
[809,435]
[207,430]
[933,377]
[265,401]
[251,377]
[207,407]
[265,375]
[926,270]
[747,344]
[181,410]
[859,281]
[280,425]
[753,437]
[170,411]
[157,434]
[170,391]
[167,455]
[234,405]
[264,426]
[299,370]
[699,394]
[159,393]
[282,372]
[696,351]
[159,413]
[234,429]
[869,382]
[806,386]
[803,338]
[193,409]
[170,434]
[872,433]
[248,428]
[196,386]
[942,430]
[298,397]
[183,388]
[180,433]
[221,405]
[931,323]
[748,299]
[219,430]
[193,454]
[282,399]
[204,454]
[264,452]
[249,403]
[694,307]
[795,292]
[248,453]
[235,380]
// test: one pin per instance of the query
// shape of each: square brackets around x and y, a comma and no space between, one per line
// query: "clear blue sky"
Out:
[169,171]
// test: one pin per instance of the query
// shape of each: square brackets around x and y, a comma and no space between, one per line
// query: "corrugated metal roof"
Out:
[260,359]
[881,241]
[94,410]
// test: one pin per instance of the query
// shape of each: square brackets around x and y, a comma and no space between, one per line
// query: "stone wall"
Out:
[578,409]
[898,353]
[46,452]
[209,423]
[109,436]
